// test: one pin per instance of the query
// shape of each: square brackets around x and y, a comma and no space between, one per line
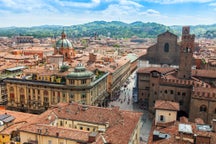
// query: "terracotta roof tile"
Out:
[204,73]
[121,123]
[52,131]
[159,69]
[166,105]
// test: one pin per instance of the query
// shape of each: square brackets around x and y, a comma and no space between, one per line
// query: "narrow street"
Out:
[125,102]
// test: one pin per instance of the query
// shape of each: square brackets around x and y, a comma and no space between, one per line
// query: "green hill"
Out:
[114,29]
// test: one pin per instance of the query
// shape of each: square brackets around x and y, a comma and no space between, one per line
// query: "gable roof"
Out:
[167,33]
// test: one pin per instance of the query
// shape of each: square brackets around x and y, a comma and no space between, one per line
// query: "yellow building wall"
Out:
[78,125]
[43,139]
[55,94]
[168,115]
[135,137]
[4,138]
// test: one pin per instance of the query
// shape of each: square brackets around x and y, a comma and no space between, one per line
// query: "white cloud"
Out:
[91,4]
[19,6]
[129,2]
[212,4]
[151,12]
[62,12]
[177,1]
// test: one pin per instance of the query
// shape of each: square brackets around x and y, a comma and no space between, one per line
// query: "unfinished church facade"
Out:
[192,89]
[165,51]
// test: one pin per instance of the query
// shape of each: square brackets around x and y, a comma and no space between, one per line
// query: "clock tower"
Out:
[186,53]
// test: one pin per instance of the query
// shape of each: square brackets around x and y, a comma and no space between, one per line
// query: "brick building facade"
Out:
[194,90]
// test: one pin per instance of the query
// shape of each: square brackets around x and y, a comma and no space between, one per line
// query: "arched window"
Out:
[166,47]
[203,108]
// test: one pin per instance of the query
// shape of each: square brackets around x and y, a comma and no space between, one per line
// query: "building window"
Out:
[171,91]
[161,118]
[88,129]
[83,81]
[53,99]
[61,123]
[81,128]
[179,93]
[83,96]
[12,97]
[64,98]
[45,92]
[165,91]
[215,111]
[72,82]
[46,99]
[203,108]
[71,96]
[49,142]
[181,102]
[183,94]
[58,99]
[166,47]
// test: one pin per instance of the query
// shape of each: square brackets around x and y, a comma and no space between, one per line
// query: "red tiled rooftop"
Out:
[166,105]
[121,123]
[52,131]
[204,73]
[159,69]
[19,116]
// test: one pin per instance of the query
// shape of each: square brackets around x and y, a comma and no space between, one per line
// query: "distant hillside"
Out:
[114,29]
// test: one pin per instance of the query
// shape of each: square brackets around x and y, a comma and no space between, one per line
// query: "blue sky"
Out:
[72,12]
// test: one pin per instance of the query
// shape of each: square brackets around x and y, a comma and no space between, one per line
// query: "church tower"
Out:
[186,53]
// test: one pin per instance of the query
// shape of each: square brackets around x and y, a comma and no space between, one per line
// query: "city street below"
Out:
[125,101]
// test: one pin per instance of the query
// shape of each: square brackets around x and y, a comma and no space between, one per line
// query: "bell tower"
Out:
[186,53]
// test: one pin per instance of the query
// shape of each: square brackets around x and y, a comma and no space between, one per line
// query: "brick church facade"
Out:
[165,51]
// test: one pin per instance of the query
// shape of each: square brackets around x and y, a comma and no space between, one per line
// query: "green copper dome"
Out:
[63,42]
[80,73]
